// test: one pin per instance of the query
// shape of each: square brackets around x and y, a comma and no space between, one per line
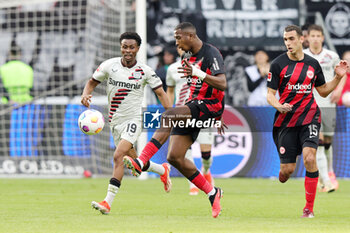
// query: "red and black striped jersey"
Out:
[209,60]
[295,81]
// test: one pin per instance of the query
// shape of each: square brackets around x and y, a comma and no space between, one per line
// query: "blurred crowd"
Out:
[252,79]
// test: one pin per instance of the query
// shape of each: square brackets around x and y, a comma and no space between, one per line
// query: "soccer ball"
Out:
[91,122]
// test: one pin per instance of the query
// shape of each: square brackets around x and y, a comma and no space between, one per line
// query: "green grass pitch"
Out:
[249,205]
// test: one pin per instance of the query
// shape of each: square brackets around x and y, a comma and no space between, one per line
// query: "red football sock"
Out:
[150,149]
[201,183]
[311,179]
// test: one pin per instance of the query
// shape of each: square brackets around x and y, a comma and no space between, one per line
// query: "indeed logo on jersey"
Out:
[195,81]
[124,84]
[300,88]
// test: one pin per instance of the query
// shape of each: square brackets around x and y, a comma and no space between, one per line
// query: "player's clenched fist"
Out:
[285,108]
[341,68]
[85,100]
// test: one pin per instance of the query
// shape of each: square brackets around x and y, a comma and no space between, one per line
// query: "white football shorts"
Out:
[128,130]
[205,137]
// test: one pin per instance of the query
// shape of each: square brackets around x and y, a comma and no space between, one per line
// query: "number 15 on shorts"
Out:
[313,130]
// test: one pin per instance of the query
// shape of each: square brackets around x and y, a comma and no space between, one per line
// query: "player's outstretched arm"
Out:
[340,72]
[218,81]
[163,97]
[272,100]
[88,89]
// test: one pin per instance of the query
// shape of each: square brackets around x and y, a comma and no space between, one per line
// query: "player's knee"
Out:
[309,159]
[118,156]
[287,171]
[173,159]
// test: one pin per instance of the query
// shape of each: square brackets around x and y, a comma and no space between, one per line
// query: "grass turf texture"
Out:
[249,205]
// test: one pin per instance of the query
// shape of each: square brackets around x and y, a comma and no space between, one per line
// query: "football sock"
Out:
[207,160]
[198,179]
[150,149]
[156,168]
[113,187]
[329,156]
[322,164]
[146,166]
[311,179]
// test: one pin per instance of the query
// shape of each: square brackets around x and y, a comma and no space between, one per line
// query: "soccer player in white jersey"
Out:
[126,79]
[177,87]
[328,60]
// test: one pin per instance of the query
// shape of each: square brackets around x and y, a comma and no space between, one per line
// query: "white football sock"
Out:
[329,155]
[212,192]
[156,168]
[141,163]
[322,164]
[207,164]
[111,192]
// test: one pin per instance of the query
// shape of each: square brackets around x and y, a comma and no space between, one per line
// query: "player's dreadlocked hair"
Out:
[186,25]
[132,36]
[290,28]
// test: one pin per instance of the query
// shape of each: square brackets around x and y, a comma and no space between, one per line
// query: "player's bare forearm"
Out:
[163,98]
[90,86]
[328,87]
[88,89]
[170,92]
[217,81]
[340,72]
[272,100]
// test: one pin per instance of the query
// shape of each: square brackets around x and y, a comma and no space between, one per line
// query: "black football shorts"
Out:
[199,111]
[290,141]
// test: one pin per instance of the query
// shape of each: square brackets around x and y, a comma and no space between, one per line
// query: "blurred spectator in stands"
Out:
[256,79]
[345,95]
[305,28]
[17,77]
[4,95]
[167,57]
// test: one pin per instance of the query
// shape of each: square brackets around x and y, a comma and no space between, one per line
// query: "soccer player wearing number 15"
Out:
[297,120]
[126,79]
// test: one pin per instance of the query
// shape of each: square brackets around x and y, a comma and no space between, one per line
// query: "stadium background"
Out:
[64,41]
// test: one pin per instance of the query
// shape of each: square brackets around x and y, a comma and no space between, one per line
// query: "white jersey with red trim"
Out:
[173,79]
[125,87]
[328,60]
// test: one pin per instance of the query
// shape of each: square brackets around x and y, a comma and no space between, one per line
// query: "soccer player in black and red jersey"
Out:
[297,120]
[203,67]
